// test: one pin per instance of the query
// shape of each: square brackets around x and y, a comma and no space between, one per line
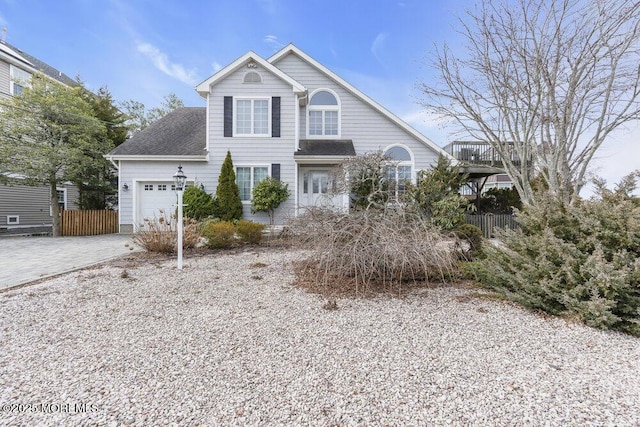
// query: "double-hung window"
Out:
[324,115]
[252,116]
[19,80]
[247,177]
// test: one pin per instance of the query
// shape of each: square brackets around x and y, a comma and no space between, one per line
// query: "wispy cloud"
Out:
[216,67]
[273,42]
[269,7]
[378,45]
[161,62]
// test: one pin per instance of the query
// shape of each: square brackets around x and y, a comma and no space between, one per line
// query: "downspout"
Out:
[296,148]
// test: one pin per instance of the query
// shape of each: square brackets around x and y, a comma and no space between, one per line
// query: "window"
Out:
[324,114]
[148,187]
[399,170]
[247,177]
[19,80]
[62,198]
[162,187]
[252,77]
[252,117]
[13,219]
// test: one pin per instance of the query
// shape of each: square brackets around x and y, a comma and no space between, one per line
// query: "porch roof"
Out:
[325,147]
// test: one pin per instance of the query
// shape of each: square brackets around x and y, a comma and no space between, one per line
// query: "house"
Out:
[23,206]
[287,116]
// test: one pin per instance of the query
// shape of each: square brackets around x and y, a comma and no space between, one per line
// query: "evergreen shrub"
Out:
[580,260]
[249,232]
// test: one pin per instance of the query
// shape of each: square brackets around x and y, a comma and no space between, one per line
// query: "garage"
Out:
[152,197]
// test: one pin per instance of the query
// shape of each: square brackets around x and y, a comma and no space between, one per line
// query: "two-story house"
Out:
[23,206]
[287,116]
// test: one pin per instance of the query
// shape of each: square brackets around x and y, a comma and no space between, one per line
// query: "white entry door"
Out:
[315,188]
[154,197]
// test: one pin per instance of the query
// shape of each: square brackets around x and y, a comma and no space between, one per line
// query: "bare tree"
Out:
[544,82]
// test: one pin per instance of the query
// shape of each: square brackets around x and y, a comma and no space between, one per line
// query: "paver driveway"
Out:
[24,259]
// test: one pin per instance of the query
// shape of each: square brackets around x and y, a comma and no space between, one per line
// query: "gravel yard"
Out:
[229,341]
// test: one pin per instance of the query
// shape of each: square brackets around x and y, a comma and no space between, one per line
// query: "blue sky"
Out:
[144,49]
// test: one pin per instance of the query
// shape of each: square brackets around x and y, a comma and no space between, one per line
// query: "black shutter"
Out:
[228,116]
[275,171]
[275,117]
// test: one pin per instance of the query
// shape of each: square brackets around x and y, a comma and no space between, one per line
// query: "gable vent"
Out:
[252,77]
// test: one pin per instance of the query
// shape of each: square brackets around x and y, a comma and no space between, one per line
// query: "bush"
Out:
[219,234]
[581,260]
[473,237]
[436,194]
[249,232]
[268,195]
[228,193]
[198,204]
[160,234]
[370,247]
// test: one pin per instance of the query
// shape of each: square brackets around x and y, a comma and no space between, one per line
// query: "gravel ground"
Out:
[229,341]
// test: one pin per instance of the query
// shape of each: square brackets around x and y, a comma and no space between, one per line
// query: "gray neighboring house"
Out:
[287,116]
[23,206]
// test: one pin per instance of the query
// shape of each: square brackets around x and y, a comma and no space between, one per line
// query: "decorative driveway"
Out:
[25,259]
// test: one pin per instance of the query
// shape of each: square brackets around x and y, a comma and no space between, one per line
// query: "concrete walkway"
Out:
[25,259]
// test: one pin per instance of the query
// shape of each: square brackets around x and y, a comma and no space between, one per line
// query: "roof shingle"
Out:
[182,132]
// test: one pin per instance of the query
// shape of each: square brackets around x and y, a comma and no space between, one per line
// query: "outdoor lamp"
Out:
[179,178]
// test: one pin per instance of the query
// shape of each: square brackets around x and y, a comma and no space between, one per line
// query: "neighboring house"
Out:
[483,164]
[23,206]
[288,117]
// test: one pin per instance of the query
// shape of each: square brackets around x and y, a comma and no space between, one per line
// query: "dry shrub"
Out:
[219,234]
[249,232]
[371,248]
[160,233]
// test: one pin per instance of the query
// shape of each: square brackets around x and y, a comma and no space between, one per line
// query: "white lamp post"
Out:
[179,178]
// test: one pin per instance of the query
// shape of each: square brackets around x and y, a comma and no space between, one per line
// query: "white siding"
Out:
[5,79]
[368,128]
[255,151]
[135,171]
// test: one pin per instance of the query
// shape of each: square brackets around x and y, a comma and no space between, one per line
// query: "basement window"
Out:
[13,219]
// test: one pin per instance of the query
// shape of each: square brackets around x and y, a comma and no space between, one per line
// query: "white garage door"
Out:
[153,197]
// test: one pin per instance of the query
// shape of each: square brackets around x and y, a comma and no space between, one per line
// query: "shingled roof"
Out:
[182,132]
[329,147]
[42,67]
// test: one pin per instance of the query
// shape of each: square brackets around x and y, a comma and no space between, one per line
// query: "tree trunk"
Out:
[55,208]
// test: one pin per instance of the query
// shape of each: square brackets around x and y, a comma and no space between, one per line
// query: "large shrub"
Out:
[198,204]
[370,248]
[268,195]
[581,260]
[436,194]
[227,192]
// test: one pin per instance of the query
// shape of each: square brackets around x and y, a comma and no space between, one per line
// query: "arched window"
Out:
[399,171]
[324,114]
[252,77]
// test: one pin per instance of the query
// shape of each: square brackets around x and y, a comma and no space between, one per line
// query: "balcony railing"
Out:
[479,153]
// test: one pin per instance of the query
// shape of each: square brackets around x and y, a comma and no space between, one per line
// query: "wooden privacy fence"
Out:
[489,222]
[88,223]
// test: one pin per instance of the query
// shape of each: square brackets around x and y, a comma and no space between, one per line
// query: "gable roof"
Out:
[182,132]
[32,63]
[203,88]
[292,49]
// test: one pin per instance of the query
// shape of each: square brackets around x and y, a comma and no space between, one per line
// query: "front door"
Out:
[315,188]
